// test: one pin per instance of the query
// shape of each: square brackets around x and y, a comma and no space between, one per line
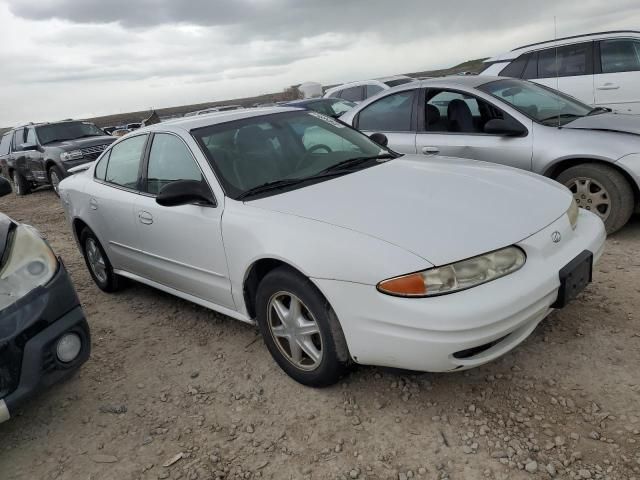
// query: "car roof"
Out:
[516,52]
[215,118]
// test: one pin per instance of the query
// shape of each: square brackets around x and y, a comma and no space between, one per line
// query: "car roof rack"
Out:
[576,36]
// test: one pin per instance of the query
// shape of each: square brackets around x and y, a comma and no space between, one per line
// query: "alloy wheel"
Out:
[96,261]
[55,181]
[295,331]
[591,195]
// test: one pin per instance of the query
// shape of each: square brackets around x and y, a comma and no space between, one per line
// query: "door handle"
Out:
[93,203]
[430,150]
[609,86]
[145,217]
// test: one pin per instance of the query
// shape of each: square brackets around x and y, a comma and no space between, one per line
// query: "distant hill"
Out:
[473,66]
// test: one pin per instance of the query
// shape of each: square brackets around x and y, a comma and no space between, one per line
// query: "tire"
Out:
[20,184]
[105,279]
[587,181]
[282,284]
[54,173]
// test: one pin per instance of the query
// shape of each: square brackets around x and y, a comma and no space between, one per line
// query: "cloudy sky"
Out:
[75,58]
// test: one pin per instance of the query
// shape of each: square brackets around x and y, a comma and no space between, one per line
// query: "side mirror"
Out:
[497,126]
[380,138]
[25,147]
[5,187]
[183,192]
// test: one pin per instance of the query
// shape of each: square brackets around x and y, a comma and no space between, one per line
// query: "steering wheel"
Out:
[320,146]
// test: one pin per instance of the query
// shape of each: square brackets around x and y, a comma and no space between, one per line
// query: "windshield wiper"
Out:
[598,110]
[562,115]
[265,187]
[354,162]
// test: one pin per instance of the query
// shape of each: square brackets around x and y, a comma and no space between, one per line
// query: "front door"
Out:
[182,245]
[453,126]
[394,116]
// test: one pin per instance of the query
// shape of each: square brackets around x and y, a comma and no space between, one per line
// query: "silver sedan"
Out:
[594,152]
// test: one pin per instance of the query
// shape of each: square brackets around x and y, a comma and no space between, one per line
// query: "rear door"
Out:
[617,78]
[569,69]
[111,203]
[452,124]
[393,115]
[182,245]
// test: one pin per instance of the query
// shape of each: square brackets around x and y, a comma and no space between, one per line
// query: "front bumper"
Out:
[31,329]
[464,329]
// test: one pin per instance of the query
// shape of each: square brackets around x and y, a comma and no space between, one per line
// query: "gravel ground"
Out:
[173,390]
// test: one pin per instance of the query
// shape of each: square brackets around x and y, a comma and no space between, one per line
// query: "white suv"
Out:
[601,69]
[359,91]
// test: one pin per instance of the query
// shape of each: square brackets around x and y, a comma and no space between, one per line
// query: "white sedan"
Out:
[338,249]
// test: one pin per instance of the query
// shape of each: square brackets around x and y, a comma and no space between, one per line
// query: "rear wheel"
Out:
[55,177]
[300,329]
[98,263]
[602,190]
[20,184]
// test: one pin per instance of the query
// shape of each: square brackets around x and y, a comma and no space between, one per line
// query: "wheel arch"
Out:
[564,164]
[77,226]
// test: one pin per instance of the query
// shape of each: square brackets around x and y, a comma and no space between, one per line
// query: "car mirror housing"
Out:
[498,126]
[5,187]
[380,138]
[183,192]
[25,147]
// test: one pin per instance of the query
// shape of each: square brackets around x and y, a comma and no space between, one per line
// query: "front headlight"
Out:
[456,276]
[573,213]
[72,155]
[30,263]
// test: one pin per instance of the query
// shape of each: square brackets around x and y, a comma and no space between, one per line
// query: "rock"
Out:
[113,409]
[101,458]
[354,473]
[594,435]
[531,467]
[584,473]
[551,470]
[499,454]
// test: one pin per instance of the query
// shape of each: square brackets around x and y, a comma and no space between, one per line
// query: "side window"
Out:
[18,138]
[531,70]
[170,160]
[372,90]
[31,136]
[353,94]
[101,167]
[389,114]
[620,55]
[454,112]
[572,60]
[124,162]
[516,67]
[5,144]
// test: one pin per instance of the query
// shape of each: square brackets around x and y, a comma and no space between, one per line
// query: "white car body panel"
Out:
[347,234]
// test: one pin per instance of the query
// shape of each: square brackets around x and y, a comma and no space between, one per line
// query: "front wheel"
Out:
[300,329]
[55,177]
[20,183]
[602,190]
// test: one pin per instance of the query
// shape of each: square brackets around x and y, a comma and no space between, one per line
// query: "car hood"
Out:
[82,142]
[442,209]
[611,122]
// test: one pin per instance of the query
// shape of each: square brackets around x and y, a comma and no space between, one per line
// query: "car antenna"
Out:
[555,39]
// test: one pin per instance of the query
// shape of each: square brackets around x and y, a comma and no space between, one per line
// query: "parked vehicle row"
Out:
[290,203]
[41,154]
[44,336]
[600,69]
[593,152]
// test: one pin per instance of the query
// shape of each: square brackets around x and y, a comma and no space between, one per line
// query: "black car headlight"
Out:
[29,264]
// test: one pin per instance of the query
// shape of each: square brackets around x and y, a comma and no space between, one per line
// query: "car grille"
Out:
[91,153]
[10,364]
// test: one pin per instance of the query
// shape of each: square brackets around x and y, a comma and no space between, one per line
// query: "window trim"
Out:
[142,180]
[115,185]
[414,107]
[421,117]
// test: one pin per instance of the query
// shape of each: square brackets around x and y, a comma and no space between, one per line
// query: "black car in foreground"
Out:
[41,154]
[44,336]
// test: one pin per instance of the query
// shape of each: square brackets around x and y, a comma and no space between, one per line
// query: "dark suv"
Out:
[42,154]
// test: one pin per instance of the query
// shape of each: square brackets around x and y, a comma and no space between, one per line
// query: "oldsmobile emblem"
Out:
[556,237]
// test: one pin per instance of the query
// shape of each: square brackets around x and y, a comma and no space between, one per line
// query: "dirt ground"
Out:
[169,381]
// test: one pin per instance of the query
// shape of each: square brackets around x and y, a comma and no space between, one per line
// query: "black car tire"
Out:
[54,171]
[617,187]
[335,357]
[20,184]
[111,282]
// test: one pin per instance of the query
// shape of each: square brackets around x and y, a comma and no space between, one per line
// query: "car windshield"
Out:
[291,148]
[542,104]
[66,131]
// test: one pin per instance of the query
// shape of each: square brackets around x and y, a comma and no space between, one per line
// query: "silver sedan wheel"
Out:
[96,261]
[591,195]
[55,181]
[295,331]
